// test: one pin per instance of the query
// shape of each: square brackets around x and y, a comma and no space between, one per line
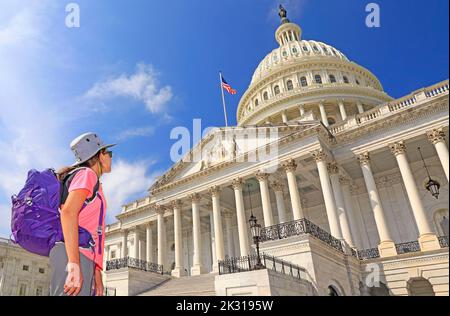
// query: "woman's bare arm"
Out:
[69,222]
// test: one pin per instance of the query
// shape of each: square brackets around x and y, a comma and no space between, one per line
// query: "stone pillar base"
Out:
[197,270]
[215,269]
[387,249]
[178,272]
[429,242]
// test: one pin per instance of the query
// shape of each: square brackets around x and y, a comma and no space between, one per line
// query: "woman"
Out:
[76,270]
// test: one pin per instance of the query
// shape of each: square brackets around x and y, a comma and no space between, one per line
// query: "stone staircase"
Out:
[201,285]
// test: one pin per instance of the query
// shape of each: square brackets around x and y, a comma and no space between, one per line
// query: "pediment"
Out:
[232,144]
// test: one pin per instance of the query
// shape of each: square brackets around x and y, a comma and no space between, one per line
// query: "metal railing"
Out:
[367,254]
[299,227]
[109,291]
[249,263]
[407,247]
[443,241]
[412,246]
[135,264]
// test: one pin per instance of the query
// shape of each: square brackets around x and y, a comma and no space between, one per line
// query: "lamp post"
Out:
[432,186]
[256,232]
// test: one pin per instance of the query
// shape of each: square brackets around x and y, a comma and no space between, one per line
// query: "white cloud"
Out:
[136,132]
[30,136]
[126,182]
[5,215]
[142,86]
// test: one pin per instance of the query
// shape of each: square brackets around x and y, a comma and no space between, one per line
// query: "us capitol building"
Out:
[349,187]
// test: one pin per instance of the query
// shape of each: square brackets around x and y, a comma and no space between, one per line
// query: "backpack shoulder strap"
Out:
[65,184]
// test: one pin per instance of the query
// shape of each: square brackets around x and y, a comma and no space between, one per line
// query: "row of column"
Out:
[427,238]
[323,112]
[337,199]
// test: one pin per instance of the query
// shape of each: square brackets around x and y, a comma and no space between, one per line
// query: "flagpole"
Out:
[223,100]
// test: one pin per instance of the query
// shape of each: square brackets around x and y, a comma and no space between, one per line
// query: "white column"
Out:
[178,271]
[265,198]
[284,117]
[323,114]
[290,168]
[197,267]
[356,233]
[301,107]
[230,239]
[124,253]
[437,138]
[244,245]
[149,244]
[427,239]
[342,110]
[161,229]
[333,169]
[330,206]
[386,246]
[136,244]
[281,208]
[218,231]
[360,107]
[214,265]
[141,249]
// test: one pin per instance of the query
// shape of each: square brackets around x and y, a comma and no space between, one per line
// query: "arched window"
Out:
[265,96]
[256,102]
[332,79]
[315,48]
[303,82]
[305,48]
[318,79]
[332,291]
[357,82]
[346,79]
[276,90]
[331,121]
[325,49]
[284,53]
[289,85]
[294,50]
[419,287]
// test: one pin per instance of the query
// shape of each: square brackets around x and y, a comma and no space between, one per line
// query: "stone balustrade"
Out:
[390,108]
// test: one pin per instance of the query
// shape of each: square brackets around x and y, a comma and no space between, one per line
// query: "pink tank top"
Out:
[89,217]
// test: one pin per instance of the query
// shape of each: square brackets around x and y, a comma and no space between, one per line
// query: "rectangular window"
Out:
[22,290]
[39,291]
[41,270]
[25,268]
[113,254]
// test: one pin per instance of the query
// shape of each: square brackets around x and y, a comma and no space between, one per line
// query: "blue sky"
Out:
[136,69]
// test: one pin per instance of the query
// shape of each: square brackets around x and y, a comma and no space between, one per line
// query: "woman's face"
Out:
[106,160]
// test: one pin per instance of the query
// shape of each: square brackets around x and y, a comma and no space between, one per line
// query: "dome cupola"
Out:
[305,78]
[287,32]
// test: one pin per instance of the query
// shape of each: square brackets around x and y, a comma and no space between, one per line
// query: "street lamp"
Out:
[432,186]
[256,232]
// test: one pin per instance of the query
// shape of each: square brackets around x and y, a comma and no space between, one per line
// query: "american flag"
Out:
[227,87]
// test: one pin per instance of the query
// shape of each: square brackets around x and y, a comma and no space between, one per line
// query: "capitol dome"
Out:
[304,78]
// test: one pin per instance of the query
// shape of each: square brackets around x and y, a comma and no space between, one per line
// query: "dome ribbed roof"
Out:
[294,52]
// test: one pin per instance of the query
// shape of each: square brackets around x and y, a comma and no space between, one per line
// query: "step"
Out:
[202,285]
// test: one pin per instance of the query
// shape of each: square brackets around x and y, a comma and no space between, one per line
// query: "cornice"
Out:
[319,91]
[317,129]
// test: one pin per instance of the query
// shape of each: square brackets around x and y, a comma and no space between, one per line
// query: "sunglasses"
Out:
[108,153]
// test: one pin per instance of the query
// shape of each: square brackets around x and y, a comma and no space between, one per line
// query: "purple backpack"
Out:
[35,218]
